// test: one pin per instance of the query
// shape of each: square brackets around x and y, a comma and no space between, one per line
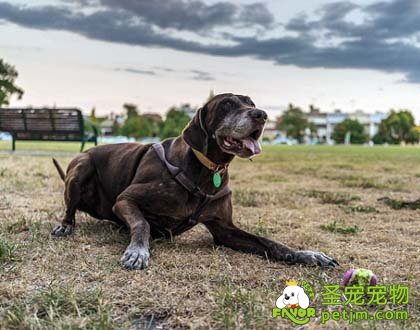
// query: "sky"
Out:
[103,53]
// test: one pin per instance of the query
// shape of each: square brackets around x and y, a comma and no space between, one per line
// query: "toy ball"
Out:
[359,276]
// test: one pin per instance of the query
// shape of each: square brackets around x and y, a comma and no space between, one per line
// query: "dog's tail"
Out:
[59,169]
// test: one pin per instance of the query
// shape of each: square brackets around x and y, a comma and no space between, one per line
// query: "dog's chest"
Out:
[169,200]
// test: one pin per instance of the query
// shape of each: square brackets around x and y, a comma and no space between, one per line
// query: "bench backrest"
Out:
[42,123]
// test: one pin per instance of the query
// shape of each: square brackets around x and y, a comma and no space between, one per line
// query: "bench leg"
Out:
[13,143]
[83,145]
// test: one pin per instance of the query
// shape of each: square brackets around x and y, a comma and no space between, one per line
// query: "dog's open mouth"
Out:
[247,146]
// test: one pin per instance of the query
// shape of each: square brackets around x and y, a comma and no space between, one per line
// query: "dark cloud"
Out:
[202,75]
[137,71]
[164,68]
[256,13]
[189,15]
[381,39]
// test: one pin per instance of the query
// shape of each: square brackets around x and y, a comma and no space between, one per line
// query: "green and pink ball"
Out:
[359,276]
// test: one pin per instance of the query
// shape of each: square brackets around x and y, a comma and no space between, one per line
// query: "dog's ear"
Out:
[195,134]
[303,299]
[280,303]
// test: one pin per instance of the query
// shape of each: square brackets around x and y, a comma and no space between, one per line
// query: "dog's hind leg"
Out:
[80,170]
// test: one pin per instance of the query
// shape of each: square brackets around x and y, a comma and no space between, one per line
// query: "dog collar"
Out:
[212,166]
[293,306]
[215,168]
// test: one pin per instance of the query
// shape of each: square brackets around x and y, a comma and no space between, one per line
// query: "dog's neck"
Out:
[216,155]
[200,170]
[205,161]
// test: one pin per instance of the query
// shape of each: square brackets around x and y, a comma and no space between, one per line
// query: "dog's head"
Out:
[293,295]
[227,123]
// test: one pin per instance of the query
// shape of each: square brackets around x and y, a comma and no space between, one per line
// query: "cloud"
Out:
[189,15]
[382,36]
[164,68]
[202,75]
[137,71]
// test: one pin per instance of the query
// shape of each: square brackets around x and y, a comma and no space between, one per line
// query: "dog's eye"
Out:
[293,294]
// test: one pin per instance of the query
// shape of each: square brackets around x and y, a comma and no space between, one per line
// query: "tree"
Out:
[8,75]
[131,110]
[137,127]
[174,123]
[293,122]
[352,127]
[414,135]
[116,128]
[398,127]
[92,116]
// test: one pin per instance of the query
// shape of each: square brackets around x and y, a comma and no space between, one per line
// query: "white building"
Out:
[326,121]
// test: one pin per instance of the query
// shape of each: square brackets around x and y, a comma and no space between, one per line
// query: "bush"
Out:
[352,127]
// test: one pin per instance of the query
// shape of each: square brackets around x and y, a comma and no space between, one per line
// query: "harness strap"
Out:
[184,181]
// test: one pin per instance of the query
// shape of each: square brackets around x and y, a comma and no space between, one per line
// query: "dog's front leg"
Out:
[136,256]
[227,234]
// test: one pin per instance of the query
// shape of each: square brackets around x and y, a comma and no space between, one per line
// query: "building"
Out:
[107,127]
[326,121]
[370,121]
[154,117]
[270,130]
[109,123]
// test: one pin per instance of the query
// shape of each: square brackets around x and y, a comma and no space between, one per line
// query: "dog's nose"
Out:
[286,297]
[258,115]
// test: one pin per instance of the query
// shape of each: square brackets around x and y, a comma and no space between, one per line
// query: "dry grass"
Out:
[290,194]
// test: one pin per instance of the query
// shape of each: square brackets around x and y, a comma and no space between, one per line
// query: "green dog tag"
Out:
[217,179]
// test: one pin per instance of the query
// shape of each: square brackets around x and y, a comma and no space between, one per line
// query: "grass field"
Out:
[318,198]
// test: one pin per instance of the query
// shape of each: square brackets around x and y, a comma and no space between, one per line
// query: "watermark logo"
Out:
[355,303]
[294,303]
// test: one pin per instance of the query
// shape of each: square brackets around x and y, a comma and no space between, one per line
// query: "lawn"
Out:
[317,198]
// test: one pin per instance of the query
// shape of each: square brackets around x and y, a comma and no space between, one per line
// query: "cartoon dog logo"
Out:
[293,296]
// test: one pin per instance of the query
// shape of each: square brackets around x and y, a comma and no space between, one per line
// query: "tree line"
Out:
[399,127]
[8,87]
[138,125]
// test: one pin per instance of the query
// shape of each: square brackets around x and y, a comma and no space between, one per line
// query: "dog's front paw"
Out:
[62,230]
[314,259]
[135,257]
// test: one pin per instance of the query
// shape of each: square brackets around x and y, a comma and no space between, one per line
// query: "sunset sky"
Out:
[103,53]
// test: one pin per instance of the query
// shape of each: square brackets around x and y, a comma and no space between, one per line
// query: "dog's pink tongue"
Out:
[252,145]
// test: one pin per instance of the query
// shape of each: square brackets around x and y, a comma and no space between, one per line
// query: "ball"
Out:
[359,276]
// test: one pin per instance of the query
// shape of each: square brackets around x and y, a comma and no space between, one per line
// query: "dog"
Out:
[293,296]
[162,190]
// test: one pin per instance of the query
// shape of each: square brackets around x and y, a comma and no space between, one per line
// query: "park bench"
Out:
[44,124]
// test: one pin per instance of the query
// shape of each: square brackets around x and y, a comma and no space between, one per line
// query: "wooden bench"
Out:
[42,124]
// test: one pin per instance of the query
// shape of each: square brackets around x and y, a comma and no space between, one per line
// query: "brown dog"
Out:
[160,192]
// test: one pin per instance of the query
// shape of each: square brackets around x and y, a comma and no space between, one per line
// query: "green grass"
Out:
[238,304]
[44,146]
[359,209]
[7,252]
[334,228]
[307,197]
[397,204]
[59,308]
[328,197]
[251,197]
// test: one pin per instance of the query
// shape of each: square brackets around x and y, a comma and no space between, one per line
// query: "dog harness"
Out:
[179,176]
